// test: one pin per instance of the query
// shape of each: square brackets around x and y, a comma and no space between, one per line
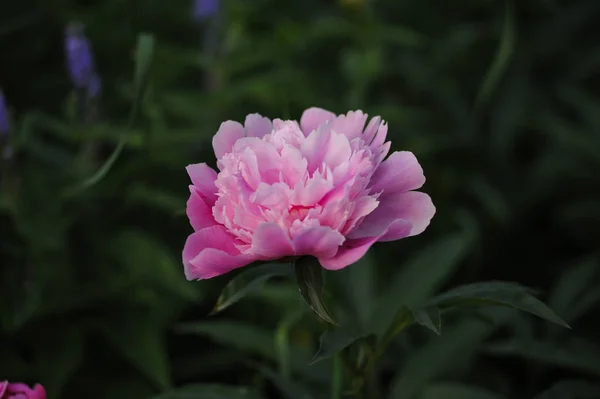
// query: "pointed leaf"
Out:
[422,276]
[309,276]
[572,285]
[450,351]
[571,389]
[210,391]
[333,341]
[247,282]
[429,317]
[496,293]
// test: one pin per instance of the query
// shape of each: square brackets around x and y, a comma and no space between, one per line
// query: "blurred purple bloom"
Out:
[94,86]
[4,124]
[205,8]
[79,57]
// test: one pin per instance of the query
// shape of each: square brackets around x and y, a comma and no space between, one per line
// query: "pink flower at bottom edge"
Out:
[17,390]
[320,187]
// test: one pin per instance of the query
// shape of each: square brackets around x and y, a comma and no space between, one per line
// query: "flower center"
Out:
[299,212]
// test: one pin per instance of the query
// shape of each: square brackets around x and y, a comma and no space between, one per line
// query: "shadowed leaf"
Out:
[309,276]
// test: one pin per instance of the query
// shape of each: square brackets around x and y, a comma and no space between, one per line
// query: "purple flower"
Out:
[4,123]
[205,8]
[79,57]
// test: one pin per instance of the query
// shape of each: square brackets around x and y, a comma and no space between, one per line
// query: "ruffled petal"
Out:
[313,117]
[257,126]
[319,241]
[203,177]
[211,252]
[271,242]
[198,211]
[229,132]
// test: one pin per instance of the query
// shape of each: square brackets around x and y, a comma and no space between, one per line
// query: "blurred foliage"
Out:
[499,100]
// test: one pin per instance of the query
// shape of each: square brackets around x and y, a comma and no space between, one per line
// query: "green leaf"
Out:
[333,341]
[572,285]
[451,351]
[429,317]
[143,59]
[419,278]
[288,388]
[575,354]
[571,389]
[140,340]
[210,391]
[355,286]
[148,263]
[59,354]
[502,58]
[496,293]
[243,336]
[457,391]
[247,282]
[309,276]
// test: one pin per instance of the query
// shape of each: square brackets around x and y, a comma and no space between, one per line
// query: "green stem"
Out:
[337,381]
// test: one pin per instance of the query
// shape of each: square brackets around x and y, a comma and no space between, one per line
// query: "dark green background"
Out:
[500,101]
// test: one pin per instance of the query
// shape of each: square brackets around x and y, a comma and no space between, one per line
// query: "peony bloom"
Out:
[16,390]
[320,188]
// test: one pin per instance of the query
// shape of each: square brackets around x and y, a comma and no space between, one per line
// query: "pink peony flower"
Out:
[17,390]
[320,188]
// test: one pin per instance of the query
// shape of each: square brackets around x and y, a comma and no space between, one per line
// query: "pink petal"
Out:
[349,253]
[211,252]
[199,213]
[257,126]
[3,386]
[38,392]
[319,241]
[371,129]
[351,125]
[380,136]
[203,177]
[313,117]
[314,147]
[398,229]
[271,242]
[413,206]
[399,173]
[389,220]
[229,132]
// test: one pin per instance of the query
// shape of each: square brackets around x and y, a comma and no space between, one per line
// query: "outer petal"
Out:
[399,173]
[229,132]
[350,253]
[211,252]
[321,242]
[203,177]
[3,386]
[389,220]
[271,242]
[313,117]
[38,392]
[199,213]
[257,126]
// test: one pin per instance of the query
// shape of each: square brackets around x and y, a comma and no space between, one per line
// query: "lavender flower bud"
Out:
[205,8]
[4,123]
[80,61]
